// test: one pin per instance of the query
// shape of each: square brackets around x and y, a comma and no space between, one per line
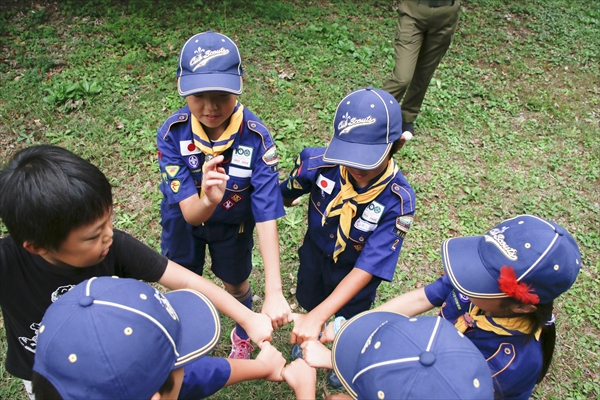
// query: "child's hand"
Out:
[328,334]
[278,309]
[306,327]
[316,354]
[214,180]
[259,329]
[302,378]
[273,361]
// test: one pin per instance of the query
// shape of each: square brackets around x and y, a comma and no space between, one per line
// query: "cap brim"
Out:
[197,83]
[350,341]
[200,324]
[356,155]
[466,271]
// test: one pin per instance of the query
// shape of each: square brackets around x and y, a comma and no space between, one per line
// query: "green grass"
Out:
[510,124]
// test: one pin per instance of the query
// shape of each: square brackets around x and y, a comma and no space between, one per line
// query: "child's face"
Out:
[213,110]
[85,246]
[493,307]
[363,177]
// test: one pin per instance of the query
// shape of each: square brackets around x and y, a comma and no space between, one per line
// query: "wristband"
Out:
[337,324]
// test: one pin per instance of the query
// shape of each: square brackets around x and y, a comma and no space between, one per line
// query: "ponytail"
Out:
[542,318]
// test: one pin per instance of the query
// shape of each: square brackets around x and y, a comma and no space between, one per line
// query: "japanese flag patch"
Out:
[373,212]
[187,148]
[325,184]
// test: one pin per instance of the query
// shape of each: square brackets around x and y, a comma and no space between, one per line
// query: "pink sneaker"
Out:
[240,348]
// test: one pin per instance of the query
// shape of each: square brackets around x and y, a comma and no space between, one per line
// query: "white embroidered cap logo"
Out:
[203,56]
[348,123]
[496,237]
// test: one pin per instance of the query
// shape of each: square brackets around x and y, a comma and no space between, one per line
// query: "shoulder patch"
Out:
[173,119]
[502,358]
[404,222]
[396,189]
[258,127]
[270,157]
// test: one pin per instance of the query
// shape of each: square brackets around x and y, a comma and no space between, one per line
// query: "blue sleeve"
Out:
[204,377]
[301,179]
[381,251]
[382,248]
[438,291]
[267,203]
[177,181]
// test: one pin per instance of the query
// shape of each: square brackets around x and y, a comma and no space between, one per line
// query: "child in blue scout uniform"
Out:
[499,290]
[215,124]
[360,209]
[385,355]
[118,338]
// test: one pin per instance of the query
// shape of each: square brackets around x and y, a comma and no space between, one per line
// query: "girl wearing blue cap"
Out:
[499,290]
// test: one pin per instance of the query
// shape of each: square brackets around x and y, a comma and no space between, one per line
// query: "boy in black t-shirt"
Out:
[57,208]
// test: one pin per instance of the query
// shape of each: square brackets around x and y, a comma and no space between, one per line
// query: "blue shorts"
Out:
[230,246]
[319,275]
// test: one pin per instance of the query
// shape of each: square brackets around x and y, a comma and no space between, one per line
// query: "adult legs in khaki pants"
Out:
[423,35]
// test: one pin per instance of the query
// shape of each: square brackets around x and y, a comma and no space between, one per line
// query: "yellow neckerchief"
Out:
[344,204]
[500,326]
[210,149]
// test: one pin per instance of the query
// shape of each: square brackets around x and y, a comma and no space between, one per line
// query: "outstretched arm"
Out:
[275,305]
[268,365]
[258,326]
[302,378]
[409,304]
[308,326]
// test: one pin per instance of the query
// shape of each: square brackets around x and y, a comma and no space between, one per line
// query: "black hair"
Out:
[396,146]
[47,191]
[43,389]
[540,318]
[168,385]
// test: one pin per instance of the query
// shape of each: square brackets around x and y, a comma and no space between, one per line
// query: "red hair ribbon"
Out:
[519,290]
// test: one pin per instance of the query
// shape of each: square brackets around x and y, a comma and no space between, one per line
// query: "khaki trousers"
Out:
[423,35]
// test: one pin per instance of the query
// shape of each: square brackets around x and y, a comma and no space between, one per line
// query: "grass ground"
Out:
[511,123]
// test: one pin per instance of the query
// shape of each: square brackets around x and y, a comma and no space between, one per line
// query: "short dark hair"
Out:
[42,388]
[47,191]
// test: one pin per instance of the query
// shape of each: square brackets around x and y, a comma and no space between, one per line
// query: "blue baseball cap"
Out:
[209,62]
[384,355]
[542,254]
[119,338]
[366,124]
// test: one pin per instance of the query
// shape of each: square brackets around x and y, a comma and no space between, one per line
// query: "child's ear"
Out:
[523,308]
[34,249]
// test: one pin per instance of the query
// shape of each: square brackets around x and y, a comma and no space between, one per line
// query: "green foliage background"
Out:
[511,123]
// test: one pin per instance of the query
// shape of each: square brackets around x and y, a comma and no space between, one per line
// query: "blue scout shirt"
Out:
[515,361]
[378,228]
[204,377]
[251,163]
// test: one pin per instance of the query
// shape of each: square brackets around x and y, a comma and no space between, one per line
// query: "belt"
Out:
[435,3]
